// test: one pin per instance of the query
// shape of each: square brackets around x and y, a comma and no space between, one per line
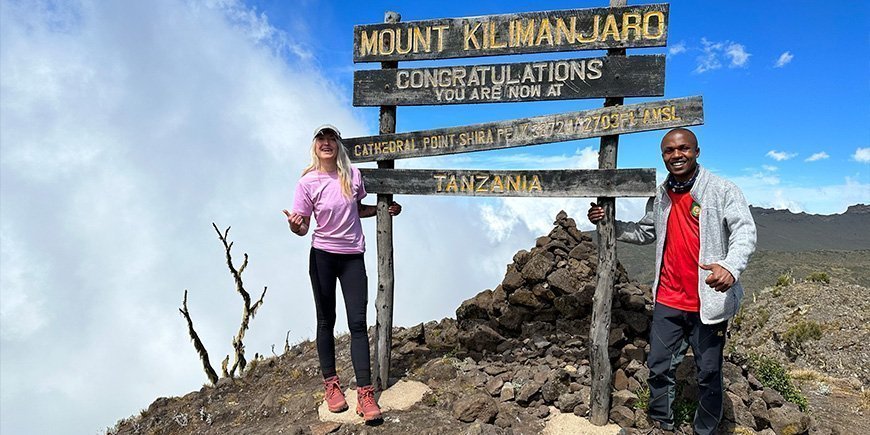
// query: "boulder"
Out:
[538,267]
[788,420]
[475,407]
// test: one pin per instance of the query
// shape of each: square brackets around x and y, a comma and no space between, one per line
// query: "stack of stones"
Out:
[528,340]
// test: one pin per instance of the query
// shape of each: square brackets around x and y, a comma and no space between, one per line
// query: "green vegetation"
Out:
[802,331]
[642,398]
[772,374]
[820,277]
[784,280]
[684,410]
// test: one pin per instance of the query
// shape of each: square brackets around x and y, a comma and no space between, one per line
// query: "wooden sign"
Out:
[656,115]
[544,183]
[635,76]
[528,32]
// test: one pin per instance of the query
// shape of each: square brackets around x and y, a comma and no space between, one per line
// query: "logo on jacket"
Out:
[696,209]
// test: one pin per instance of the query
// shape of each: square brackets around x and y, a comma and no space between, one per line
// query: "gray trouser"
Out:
[671,333]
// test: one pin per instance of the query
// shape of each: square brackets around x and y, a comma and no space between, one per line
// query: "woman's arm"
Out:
[371,210]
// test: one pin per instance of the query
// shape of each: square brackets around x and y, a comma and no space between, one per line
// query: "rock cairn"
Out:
[527,344]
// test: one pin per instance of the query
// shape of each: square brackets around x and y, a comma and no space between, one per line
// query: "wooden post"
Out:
[602,374]
[386,281]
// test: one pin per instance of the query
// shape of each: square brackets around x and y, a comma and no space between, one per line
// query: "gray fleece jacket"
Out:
[727,234]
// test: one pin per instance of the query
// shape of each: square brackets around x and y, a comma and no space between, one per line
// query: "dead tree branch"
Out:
[249,311]
[197,343]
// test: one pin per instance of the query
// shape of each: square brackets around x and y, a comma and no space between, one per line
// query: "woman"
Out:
[332,190]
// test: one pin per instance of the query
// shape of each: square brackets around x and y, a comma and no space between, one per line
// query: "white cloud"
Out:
[862,155]
[677,48]
[817,156]
[784,59]
[738,55]
[711,53]
[126,132]
[821,199]
[769,168]
[709,60]
[780,155]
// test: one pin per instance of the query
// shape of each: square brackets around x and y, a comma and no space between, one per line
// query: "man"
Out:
[705,236]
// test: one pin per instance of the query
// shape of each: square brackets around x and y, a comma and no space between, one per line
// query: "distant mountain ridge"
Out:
[782,237]
[782,230]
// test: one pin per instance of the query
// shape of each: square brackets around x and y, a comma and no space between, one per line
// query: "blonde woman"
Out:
[332,190]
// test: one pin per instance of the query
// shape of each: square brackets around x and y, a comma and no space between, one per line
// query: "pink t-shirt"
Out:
[339,229]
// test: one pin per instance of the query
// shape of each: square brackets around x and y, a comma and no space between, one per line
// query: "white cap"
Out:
[323,127]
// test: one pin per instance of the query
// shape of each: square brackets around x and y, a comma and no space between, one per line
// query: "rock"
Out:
[513,317]
[324,428]
[524,297]
[563,281]
[616,336]
[537,268]
[476,307]
[541,241]
[479,337]
[788,420]
[758,409]
[622,416]
[582,251]
[568,401]
[512,280]
[528,391]
[638,323]
[543,292]
[493,386]
[581,410]
[507,392]
[552,389]
[641,419]
[440,369]
[620,380]
[754,382]
[736,411]
[624,398]
[521,258]
[477,406]
[772,398]
[542,411]
[633,367]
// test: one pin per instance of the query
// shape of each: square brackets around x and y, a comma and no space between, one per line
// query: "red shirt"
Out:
[678,283]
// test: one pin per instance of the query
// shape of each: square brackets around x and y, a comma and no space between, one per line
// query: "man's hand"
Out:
[720,278]
[595,213]
[394,209]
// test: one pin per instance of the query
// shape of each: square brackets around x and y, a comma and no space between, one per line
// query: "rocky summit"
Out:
[514,361]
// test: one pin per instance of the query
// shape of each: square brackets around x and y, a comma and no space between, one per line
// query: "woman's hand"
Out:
[297,223]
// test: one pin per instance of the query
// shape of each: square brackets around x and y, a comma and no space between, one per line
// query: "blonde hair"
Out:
[342,161]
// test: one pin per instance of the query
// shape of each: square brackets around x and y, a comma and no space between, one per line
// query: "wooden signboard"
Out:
[678,112]
[636,76]
[535,183]
[528,32]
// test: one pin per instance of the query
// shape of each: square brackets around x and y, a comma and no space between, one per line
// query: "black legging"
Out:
[324,267]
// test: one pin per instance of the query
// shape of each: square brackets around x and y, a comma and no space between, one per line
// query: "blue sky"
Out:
[127,128]
[782,82]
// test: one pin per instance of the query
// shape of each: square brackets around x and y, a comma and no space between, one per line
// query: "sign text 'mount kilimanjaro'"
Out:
[528,32]
[549,183]
[611,76]
[632,118]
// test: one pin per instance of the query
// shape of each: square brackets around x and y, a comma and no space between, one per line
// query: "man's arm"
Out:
[642,232]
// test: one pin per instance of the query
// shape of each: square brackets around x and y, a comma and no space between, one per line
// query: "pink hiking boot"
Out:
[334,397]
[366,406]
